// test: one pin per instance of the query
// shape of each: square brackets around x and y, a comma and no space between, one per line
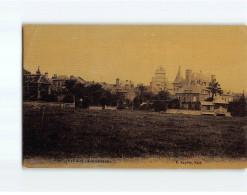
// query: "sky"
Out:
[134,52]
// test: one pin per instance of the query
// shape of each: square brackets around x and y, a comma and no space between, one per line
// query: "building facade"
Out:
[36,86]
[159,81]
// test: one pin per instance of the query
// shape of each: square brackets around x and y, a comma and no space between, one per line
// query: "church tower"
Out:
[177,83]
[159,81]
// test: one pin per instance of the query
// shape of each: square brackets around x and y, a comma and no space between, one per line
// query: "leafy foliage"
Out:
[93,94]
[238,108]
[214,88]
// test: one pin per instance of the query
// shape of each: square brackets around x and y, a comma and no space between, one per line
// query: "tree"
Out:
[238,107]
[141,89]
[95,92]
[162,95]
[214,88]
[75,89]
[137,101]
[147,96]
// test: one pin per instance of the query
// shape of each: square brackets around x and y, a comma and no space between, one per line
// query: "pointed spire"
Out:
[179,77]
[38,71]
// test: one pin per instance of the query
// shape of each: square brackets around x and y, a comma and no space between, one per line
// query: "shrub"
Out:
[68,99]
[238,108]
[52,98]
[159,106]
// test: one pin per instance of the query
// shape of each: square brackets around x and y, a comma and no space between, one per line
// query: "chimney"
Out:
[117,81]
[188,74]
[213,78]
[55,76]
[38,71]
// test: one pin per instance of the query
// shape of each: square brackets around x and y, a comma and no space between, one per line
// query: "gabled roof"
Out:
[212,103]
[26,71]
[31,78]
[202,77]
[179,77]
[44,80]
[207,103]
[60,77]
[220,101]
[190,89]
[78,79]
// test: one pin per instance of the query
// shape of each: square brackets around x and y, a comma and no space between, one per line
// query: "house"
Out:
[78,79]
[124,89]
[216,107]
[228,97]
[59,83]
[36,86]
[191,90]
[159,81]
[190,95]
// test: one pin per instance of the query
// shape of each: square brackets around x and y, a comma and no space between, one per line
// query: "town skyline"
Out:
[74,51]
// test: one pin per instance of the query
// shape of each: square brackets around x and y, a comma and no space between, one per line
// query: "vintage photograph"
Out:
[134,96]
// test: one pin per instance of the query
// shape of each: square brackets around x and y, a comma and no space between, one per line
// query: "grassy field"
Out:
[125,133]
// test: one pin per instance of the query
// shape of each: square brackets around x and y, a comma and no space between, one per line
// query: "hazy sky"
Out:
[133,52]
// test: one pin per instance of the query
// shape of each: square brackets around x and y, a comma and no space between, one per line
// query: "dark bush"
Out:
[137,102]
[238,108]
[174,104]
[197,105]
[68,99]
[52,98]
[120,104]
[159,106]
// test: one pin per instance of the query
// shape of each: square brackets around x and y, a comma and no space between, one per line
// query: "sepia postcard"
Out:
[134,96]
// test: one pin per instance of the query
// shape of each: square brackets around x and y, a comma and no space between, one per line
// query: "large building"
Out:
[59,83]
[36,86]
[192,90]
[125,89]
[159,81]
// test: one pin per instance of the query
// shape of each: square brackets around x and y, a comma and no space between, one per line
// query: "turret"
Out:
[117,81]
[188,75]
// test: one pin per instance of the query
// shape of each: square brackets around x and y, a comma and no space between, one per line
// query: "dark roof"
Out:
[36,78]
[32,78]
[179,77]
[190,89]
[44,80]
[26,71]
[60,77]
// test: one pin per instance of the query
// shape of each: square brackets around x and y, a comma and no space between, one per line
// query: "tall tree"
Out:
[74,88]
[214,88]
[163,95]
[141,89]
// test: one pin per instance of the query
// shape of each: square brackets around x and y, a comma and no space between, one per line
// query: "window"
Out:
[194,98]
[208,108]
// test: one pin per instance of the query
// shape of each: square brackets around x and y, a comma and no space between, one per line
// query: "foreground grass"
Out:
[125,133]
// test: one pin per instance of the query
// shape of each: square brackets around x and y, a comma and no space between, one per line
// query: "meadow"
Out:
[72,133]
